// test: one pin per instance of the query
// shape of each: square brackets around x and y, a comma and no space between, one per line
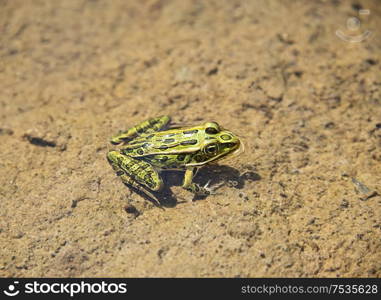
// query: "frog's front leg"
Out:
[194,187]
[149,125]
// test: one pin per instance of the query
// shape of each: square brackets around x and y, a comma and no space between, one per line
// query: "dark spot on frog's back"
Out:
[189,142]
[168,141]
[181,157]
[163,147]
[190,131]
[140,151]
[170,134]
[164,159]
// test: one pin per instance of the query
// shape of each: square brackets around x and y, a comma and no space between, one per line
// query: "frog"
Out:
[154,146]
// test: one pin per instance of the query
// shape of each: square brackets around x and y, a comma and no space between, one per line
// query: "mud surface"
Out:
[303,199]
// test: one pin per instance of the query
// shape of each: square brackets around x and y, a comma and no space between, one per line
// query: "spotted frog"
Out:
[153,146]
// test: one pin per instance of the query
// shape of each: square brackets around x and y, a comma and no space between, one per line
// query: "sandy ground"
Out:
[303,199]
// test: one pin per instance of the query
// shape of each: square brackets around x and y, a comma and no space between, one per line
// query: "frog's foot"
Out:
[205,190]
[194,187]
[197,190]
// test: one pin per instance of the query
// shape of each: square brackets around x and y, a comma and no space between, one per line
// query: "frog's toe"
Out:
[211,190]
[207,184]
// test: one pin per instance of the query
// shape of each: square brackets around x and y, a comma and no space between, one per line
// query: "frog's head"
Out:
[218,143]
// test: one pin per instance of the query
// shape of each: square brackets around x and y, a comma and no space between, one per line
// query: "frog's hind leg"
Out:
[150,125]
[139,188]
[136,173]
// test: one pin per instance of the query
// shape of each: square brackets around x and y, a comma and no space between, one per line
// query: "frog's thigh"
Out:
[149,125]
[136,171]
[158,123]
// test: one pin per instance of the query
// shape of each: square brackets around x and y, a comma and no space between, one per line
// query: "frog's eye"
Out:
[212,128]
[211,148]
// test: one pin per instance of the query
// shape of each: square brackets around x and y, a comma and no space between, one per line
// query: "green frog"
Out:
[153,146]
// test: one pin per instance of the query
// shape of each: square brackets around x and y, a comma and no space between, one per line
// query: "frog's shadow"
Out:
[216,174]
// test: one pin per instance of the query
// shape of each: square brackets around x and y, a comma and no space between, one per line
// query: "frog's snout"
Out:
[229,141]
[235,144]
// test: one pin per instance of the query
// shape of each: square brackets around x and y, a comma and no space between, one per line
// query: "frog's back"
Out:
[170,149]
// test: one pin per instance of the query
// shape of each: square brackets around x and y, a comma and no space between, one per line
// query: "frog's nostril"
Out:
[232,145]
